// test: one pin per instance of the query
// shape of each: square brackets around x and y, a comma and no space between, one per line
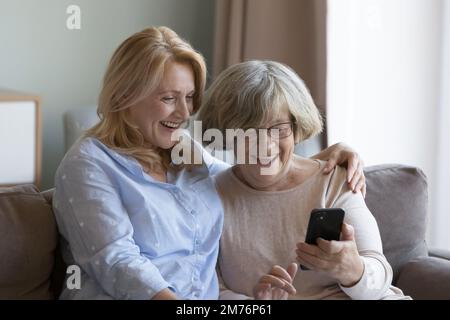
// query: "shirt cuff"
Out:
[158,288]
[141,286]
[365,287]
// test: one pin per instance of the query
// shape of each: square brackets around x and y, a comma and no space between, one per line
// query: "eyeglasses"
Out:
[283,129]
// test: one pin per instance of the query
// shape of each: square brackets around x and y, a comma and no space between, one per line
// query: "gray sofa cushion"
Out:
[426,278]
[397,197]
[76,122]
[28,241]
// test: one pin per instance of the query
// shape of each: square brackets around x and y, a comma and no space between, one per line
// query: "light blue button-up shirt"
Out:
[131,235]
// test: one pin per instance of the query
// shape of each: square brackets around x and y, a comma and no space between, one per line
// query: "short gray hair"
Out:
[252,93]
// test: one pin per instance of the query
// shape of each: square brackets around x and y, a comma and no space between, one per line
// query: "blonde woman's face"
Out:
[166,109]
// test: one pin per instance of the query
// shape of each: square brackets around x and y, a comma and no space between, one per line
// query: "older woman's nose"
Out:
[264,137]
[267,144]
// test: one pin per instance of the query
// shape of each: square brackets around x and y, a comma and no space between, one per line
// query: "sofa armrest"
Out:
[426,278]
[439,253]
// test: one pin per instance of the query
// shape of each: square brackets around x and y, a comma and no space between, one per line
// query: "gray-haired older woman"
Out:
[266,215]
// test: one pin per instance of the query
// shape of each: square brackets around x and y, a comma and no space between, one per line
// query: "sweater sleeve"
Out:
[377,275]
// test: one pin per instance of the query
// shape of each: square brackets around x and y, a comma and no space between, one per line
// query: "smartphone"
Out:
[324,223]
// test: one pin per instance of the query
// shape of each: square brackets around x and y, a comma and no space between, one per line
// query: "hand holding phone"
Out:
[324,223]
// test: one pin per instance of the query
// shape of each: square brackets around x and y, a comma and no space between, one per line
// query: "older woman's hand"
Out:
[277,284]
[338,259]
[343,155]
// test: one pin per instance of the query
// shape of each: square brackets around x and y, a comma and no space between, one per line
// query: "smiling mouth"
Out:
[266,161]
[170,125]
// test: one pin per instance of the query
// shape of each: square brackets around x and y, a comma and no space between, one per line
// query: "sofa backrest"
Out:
[397,197]
[76,122]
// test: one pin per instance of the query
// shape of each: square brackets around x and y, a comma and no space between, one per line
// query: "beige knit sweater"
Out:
[261,229]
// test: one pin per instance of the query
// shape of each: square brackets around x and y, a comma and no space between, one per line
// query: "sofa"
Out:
[31,266]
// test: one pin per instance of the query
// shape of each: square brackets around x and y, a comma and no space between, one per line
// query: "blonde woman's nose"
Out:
[183,109]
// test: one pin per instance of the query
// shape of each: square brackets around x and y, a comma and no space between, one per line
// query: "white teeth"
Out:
[267,159]
[169,124]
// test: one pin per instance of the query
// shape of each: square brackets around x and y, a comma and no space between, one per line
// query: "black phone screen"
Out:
[324,223]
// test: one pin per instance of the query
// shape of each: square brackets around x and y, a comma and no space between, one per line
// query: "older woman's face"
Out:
[168,107]
[272,166]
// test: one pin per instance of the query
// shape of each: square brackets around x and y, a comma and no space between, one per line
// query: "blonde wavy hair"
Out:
[135,71]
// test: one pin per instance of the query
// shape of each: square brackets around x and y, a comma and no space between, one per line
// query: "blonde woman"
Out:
[266,214]
[138,226]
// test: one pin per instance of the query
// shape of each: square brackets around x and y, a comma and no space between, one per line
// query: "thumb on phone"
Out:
[347,232]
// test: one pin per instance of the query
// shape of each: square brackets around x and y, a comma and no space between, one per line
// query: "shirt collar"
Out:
[126,161]
[133,166]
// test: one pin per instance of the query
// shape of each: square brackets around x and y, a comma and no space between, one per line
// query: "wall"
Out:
[39,54]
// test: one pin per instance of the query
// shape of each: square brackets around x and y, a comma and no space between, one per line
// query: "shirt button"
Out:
[197,242]
[193,212]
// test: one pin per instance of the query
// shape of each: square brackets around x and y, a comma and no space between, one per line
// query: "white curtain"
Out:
[388,91]
[440,220]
